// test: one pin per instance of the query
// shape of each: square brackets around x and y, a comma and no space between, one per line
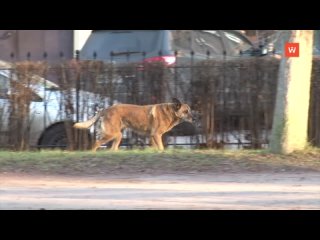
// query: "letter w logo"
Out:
[291,50]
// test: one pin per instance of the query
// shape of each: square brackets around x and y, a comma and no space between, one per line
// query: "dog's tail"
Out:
[88,123]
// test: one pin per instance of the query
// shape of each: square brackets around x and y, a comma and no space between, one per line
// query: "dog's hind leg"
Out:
[116,142]
[101,141]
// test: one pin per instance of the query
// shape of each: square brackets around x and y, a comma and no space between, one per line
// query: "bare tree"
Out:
[290,122]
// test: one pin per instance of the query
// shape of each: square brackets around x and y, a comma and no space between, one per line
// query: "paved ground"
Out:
[189,191]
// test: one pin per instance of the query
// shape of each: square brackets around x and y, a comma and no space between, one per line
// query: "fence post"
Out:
[61,80]
[78,97]
[128,56]
[175,75]
[26,127]
[191,66]
[45,102]
[224,112]
[12,56]
[143,87]
[28,56]
[208,55]
[255,120]
[77,87]
[161,95]
[175,87]
[111,56]
[12,139]
[211,111]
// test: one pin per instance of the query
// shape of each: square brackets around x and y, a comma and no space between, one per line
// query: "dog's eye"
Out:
[185,111]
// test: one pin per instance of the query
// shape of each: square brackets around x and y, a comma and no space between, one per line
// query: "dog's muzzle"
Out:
[190,119]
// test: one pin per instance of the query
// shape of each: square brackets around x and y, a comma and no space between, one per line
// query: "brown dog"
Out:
[153,120]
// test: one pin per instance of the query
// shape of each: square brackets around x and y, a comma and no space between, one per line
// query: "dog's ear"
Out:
[177,104]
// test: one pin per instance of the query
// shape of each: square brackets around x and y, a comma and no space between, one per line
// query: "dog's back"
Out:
[135,117]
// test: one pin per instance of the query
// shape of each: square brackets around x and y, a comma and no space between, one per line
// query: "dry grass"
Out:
[148,161]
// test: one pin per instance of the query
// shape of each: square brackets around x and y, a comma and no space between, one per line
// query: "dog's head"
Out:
[182,111]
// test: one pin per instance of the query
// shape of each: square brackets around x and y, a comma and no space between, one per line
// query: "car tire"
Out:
[56,137]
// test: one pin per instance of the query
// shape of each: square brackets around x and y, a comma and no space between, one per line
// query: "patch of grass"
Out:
[151,161]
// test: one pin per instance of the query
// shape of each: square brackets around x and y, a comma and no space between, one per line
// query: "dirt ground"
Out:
[267,190]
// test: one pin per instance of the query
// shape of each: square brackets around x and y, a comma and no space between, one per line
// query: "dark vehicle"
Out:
[180,48]
[122,46]
[171,47]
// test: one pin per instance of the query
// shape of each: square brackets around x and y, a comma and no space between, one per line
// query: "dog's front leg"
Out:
[157,138]
[116,142]
[153,143]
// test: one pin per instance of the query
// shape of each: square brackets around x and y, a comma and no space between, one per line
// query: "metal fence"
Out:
[233,100]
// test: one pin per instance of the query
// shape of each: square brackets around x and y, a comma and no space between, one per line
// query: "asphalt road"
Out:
[188,191]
